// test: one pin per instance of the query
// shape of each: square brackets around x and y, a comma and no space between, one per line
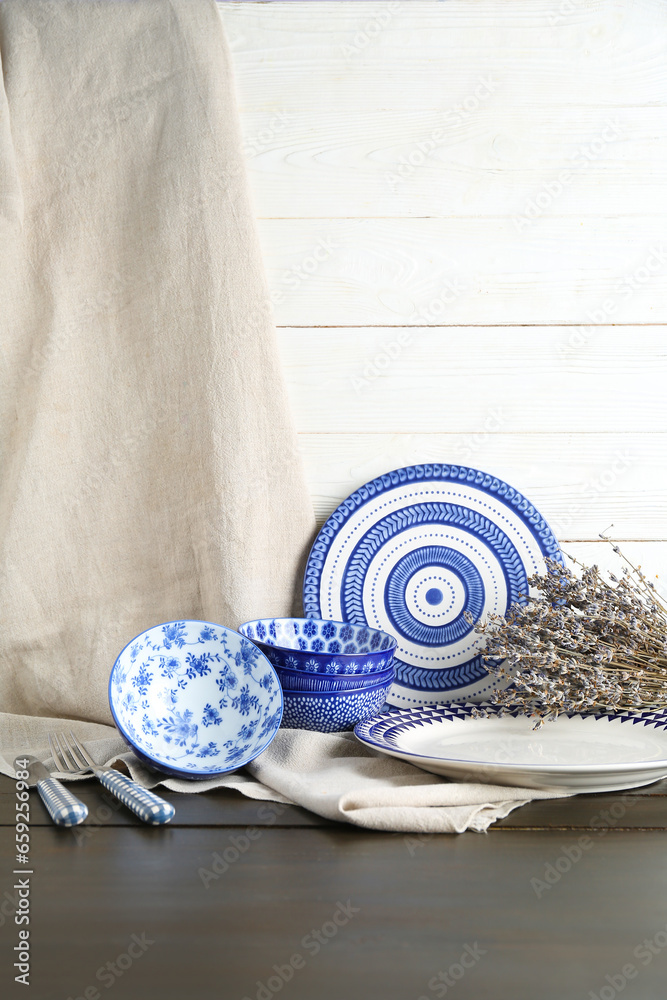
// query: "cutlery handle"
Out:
[63,807]
[146,805]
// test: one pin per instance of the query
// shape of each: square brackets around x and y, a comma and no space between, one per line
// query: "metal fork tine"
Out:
[82,751]
[78,763]
[64,749]
[56,754]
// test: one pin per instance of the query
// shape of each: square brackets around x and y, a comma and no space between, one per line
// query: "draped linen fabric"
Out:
[148,465]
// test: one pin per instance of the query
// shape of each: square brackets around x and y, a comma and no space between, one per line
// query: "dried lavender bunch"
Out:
[583,644]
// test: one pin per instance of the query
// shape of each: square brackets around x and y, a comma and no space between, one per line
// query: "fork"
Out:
[146,805]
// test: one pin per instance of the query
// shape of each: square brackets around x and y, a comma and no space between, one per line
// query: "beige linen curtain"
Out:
[148,465]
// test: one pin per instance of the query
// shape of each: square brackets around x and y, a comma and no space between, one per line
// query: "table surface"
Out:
[240,899]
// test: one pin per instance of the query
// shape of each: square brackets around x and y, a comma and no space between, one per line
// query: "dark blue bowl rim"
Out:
[370,675]
[314,652]
[176,771]
[346,694]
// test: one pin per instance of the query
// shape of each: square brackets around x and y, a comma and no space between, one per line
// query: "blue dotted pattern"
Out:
[331,713]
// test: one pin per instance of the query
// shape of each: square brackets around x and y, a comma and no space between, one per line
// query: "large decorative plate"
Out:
[410,552]
[573,753]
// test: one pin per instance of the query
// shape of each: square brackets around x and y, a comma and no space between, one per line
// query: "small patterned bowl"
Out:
[332,711]
[195,699]
[318,646]
[298,680]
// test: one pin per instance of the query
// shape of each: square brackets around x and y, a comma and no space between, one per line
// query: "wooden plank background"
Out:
[462,211]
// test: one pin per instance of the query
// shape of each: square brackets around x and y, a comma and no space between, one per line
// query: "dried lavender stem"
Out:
[581,644]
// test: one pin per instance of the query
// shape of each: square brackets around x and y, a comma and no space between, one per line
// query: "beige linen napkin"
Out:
[331,774]
[148,465]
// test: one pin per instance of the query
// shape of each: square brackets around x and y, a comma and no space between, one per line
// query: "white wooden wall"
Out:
[463,206]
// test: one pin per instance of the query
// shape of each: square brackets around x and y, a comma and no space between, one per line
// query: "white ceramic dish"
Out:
[590,753]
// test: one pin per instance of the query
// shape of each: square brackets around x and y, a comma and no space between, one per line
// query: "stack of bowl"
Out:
[333,674]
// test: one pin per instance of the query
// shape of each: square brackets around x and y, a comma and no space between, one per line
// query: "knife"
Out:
[63,807]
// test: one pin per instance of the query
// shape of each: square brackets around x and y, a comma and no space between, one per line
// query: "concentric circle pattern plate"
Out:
[410,552]
[574,753]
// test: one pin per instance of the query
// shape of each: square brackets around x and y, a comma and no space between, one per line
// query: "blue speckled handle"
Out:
[147,806]
[63,807]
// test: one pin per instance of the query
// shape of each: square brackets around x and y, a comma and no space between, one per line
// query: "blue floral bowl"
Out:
[298,680]
[332,711]
[195,699]
[318,646]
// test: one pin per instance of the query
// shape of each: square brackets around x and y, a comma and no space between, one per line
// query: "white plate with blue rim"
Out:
[410,552]
[570,754]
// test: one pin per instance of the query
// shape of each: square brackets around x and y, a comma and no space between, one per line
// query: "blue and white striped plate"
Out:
[410,552]
[573,753]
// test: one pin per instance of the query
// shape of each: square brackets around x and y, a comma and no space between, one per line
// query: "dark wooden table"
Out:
[237,899]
